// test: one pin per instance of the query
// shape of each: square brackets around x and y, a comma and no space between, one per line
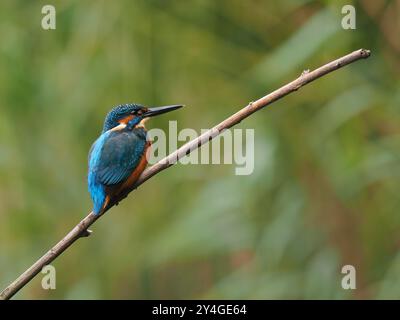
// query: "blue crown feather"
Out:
[118,113]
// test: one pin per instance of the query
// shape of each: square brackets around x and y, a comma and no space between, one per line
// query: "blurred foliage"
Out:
[325,189]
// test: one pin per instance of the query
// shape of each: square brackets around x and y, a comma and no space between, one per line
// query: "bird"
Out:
[119,155]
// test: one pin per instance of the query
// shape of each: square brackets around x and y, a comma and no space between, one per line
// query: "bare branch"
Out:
[81,229]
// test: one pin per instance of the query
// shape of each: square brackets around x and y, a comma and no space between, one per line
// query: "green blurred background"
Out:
[325,189]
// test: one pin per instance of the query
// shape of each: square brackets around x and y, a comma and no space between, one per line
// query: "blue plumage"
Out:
[96,189]
[115,156]
[119,112]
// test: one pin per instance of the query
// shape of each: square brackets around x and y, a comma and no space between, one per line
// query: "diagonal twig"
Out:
[81,229]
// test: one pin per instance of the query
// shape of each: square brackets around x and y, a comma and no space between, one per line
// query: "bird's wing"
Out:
[114,157]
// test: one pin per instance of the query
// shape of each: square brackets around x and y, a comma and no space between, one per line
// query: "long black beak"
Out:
[151,112]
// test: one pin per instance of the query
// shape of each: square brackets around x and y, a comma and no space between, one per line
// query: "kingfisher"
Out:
[119,155]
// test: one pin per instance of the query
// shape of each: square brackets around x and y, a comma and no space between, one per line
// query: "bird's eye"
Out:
[139,112]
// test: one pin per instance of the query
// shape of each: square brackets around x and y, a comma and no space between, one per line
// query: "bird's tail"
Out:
[98,195]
